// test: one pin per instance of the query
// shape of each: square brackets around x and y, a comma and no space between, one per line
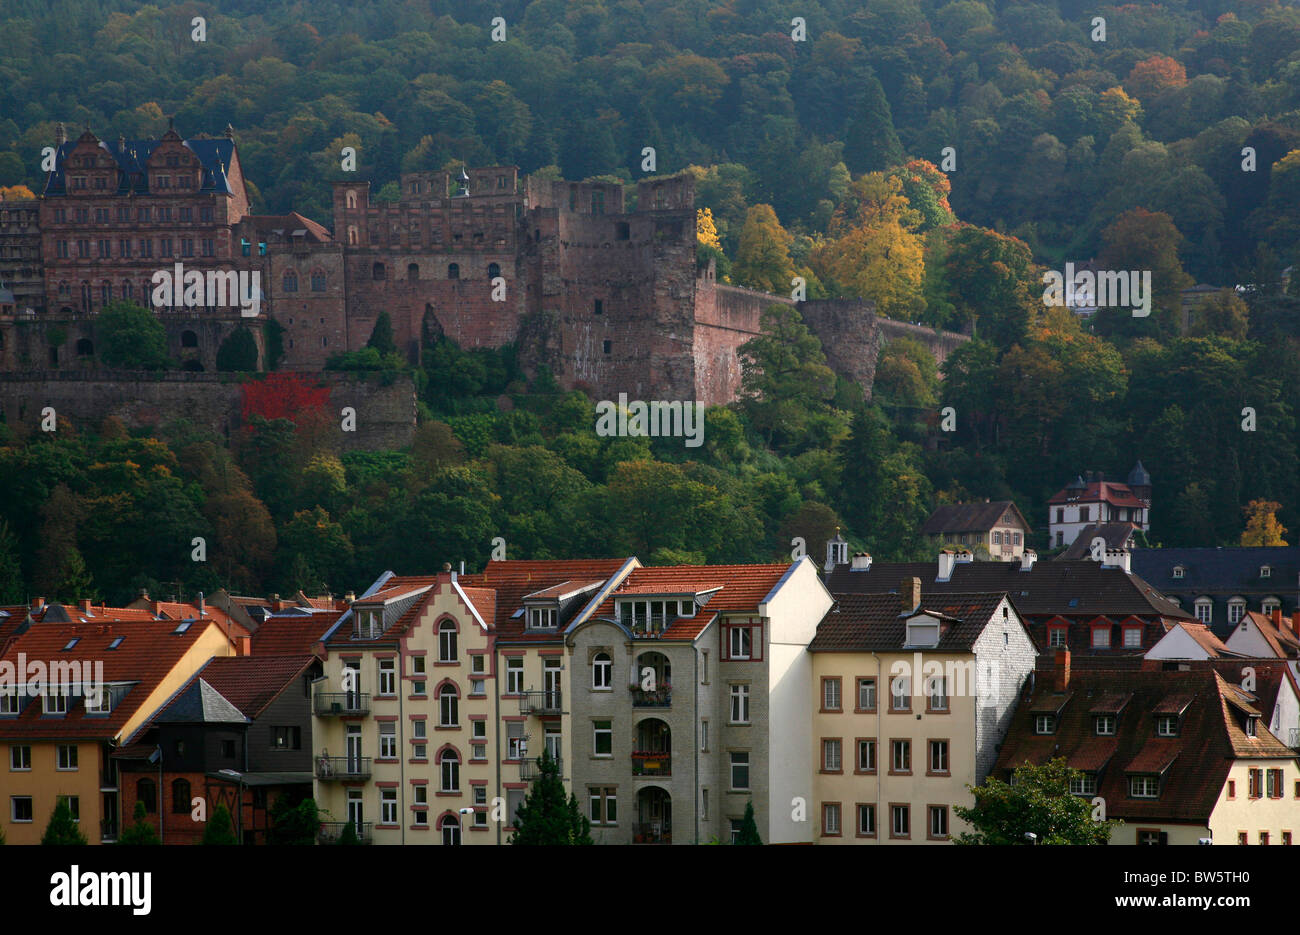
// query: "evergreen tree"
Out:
[381,337]
[141,832]
[219,829]
[238,352]
[11,574]
[748,827]
[62,829]
[870,142]
[545,817]
[349,835]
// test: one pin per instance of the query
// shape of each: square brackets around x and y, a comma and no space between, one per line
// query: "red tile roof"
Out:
[251,683]
[149,651]
[1097,491]
[292,634]
[513,580]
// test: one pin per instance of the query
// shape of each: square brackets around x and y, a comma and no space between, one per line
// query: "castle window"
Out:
[502,181]
[377,271]
[352,234]
[609,346]
[317,281]
[624,231]
[189,339]
[453,271]
[351,200]
[105,292]
[599,307]
[85,348]
[494,270]
[54,356]
[413,271]
[598,202]
[290,281]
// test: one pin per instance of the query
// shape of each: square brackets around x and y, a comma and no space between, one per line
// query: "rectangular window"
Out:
[739,770]
[900,821]
[514,676]
[387,677]
[419,729]
[938,694]
[704,736]
[1144,787]
[866,755]
[388,806]
[740,642]
[1132,638]
[938,756]
[1056,636]
[901,756]
[20,808]
[831,755]
[867,820]
[1101,638]
[739,704]
[54,704]
[831,818]
[830,694]
[866,694]
[1044,724]
[387,740]
[1105,725]
[1167,726]
[603,738]
[67,756]
[1274,783]
[938,821]
[20,757]
[604,804]
[1085,784]
[900,693]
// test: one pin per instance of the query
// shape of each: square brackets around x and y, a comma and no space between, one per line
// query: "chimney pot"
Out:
[910,594]
[84,605]
[446,566]
[38,603]
[1277,617]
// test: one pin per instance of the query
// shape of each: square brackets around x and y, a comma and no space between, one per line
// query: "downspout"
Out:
[496,744]
[880,700]
[401,735]
[695,711]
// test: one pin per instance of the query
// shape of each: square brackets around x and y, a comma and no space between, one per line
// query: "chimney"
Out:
[947,562]
[861,561]
[1295,623]
[203,610]
[243,646]
[1117,558]
[84,605]
[1061,670]
[964,555]
[1277,617]
[144,594]
[350,596]
[38,603]
[909,594]
[1027,560]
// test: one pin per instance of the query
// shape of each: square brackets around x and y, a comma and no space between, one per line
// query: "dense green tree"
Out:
[546,816]
[130,338]
[238,352]
[219,829]
[381,336]
[140,831]
[1040,803]
[62,828]
[748,828]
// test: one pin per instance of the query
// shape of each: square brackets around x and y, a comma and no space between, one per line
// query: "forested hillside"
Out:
[1171,146]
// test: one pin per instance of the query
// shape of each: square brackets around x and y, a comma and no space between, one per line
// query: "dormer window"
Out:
[1236,609]
[1270,604]
[1045,724]
[1251,725]
[1144,787]
[1167,725]
[652,616]
[99,700]
[923,632]
[542,618]
[1204,610]
[1105,724]
[9,703]
[57,703]
[1178,571]
[369,624]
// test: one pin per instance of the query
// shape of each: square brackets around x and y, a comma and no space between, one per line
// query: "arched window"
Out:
[494,270]
[146,791]
[189,339]
[447,641]
[351,200]
[602,671]
[449,772]
[352,234]
[105,292]
[448,707]
[85,296]
[128,289]
[65,289]
[1204,610]
[377,271]
[1236,609]
[85,348]
[318,280]
[413,271]
[181,796]
[450,826]
[290,281]
[453,271]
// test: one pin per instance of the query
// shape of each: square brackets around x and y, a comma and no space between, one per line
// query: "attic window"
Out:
[183,626]
[1265,571]
[1166,725]
[1105,725]
[923,633]
[542,618]
[1250,725]
[117,641]
[1178,571]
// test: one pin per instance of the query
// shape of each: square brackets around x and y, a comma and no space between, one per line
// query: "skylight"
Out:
[182,626]
[117,641]
[72,642]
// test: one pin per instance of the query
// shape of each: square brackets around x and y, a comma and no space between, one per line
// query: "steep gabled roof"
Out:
[874,622]
[970,517]
[1098,492]
[1117,536]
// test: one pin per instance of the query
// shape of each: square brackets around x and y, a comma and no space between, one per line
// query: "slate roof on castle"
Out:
[132,157]
[1223,573]
[1075,588]
[1193,765]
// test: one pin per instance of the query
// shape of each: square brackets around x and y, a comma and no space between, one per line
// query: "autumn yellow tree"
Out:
[15,193]
[1262,526]
[763,259]
[874,251]
[706,232]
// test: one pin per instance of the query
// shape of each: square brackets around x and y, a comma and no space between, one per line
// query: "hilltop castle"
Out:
[608,296]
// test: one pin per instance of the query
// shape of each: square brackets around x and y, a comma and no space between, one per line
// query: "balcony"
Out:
[545,703]
[651,832]
[661,697]
[342,767]
[531,768]
[648,627]
[331,831]
[647,763]
[108,830]
[336,704]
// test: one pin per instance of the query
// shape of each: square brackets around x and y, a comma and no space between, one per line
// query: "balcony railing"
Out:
[327,704]
[331,831]
[531,768]
[543,702]
[108,830]
[652,832]
[661,697]
[646,763]
[342,767]
[649,628]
